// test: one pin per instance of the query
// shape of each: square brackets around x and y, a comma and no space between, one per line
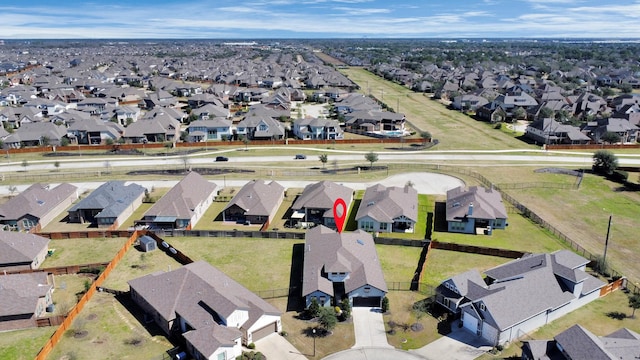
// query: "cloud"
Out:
[361,11]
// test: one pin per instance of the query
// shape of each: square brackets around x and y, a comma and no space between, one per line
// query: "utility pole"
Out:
[606,242]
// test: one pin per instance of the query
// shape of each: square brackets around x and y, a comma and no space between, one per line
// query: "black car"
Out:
[300,157]
[222,158]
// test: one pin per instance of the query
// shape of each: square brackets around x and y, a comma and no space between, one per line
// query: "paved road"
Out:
[477,158]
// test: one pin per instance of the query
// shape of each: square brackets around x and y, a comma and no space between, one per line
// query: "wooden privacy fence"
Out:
[510,254]
[63,270]
[55,338]
[87,234]
[50,321]
[612,286]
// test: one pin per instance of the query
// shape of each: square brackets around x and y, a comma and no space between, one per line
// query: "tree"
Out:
[519,113]
[64,142]
[327,318]
[610,137]
[371,157]
[323,159]
[604,162]
[634,303]
[314,308]
[57,165]
[25,163]
[546,112]
[185,162]
[385,304]
[245,141]
[345,305]
[45,141]
[607,91]
[626,88]
[426,136]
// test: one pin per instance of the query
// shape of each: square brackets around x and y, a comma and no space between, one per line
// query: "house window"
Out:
[383,226]
[482,307]
[322,300]
[263,127]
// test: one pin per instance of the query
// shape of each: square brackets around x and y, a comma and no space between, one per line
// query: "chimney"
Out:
[470,212]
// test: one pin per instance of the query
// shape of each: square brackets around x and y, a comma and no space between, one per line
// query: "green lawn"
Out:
[398,262]
[24,344]
[105,329]
[82,251]
[426,114]
[443,264]
[521,234]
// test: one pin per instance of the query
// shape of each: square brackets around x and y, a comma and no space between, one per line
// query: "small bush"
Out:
[385,304]
[251,346]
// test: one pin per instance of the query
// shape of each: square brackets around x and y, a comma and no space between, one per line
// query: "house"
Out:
[388,209]
[376,121]
[36,206]
[579,343]
[317,129]
[36,134]
[94,131]
[210,111]
[256,203]
[260,128]
[341,265]
[20,251]
[520,296]
[24,297]
[161,127]
[212,312]
[108,206]
[213,129]
[627,131]
[468,102]
[182,206]
[316,202]
[549,131]
[126,114]
[477,208]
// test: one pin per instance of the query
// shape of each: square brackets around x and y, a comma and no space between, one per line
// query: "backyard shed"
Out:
[147,243]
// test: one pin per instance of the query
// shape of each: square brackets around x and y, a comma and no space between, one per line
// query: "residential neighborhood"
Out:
[186,196]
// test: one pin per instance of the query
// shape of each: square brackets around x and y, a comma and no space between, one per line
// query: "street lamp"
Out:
[314,342]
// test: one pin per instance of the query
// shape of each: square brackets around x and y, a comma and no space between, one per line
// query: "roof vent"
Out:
[360,242]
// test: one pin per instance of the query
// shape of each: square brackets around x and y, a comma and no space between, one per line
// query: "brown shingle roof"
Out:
[183,198]
[20,247]
[384,204]
[257,197]
[19,293]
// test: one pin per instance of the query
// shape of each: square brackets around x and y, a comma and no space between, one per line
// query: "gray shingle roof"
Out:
[329,251]
[257,197]
[322,195]
[183,198]
[384,204]
[37,200]
[19,293]
[486,204]
[20,247]
[112,197]
[202,295]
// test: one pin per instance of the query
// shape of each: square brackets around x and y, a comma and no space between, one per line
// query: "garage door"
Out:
[262,332]
[367,301]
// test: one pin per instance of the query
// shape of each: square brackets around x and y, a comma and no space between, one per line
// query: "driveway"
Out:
[458,345]
[275,346]
[369,327]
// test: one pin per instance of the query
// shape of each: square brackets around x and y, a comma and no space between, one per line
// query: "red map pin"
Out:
[339,213]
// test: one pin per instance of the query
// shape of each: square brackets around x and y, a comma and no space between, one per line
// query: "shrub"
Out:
[251,346]
[385,304]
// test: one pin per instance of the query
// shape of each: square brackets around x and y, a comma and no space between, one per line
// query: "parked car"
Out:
[222,158]
[300,157]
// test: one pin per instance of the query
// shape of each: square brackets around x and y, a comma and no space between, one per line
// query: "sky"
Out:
[283,19]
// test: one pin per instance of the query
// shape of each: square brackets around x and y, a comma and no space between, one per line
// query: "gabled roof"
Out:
[19,293]
[181,201]
[202,295]
[329,251]
[525,287]
[322,195]
[37,200]
[384,204]
[18,247]
[257,197]
[111,197]
[483,203]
